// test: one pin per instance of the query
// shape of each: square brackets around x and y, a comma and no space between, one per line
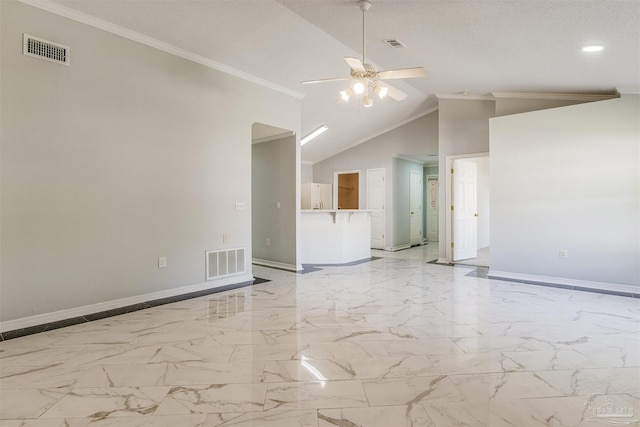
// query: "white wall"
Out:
[418,136]
[568,178]
[273,177]
[127,155]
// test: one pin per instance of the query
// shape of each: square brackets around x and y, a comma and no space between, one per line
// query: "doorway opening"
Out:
[348,190]
[468,220]
[274,203]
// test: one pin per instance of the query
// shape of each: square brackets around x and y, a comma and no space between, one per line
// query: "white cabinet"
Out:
[316,196]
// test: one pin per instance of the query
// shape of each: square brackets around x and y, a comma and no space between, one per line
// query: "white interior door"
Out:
[465,210]
[375,202]
[415,204]
[432,209]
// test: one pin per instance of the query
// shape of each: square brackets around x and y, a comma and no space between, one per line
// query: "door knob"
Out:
[475,214]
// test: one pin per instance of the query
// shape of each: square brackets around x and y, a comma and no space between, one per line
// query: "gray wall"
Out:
[273,178]
[418,137]
[127,155]
[568,178]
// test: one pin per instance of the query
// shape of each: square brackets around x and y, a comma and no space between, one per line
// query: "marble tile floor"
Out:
[389,343]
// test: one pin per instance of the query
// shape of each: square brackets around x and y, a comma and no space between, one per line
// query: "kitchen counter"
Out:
[335,236]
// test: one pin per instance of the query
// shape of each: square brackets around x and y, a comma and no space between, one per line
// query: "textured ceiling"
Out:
[476,46]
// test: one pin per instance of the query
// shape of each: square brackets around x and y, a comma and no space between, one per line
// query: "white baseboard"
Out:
[397,248]
[274,264]
[41,319]
[601,286]
[443,261]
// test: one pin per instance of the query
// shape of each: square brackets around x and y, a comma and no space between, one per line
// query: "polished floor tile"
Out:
[393,342]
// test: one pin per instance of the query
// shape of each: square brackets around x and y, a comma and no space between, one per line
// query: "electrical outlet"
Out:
[162,262]
[277,205]
[564,254]
[240,206]
[268,242]
[225,238]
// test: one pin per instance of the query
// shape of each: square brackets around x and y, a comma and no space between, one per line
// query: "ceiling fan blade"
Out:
[404,73]
[355,64]
[335,79]
[394,93]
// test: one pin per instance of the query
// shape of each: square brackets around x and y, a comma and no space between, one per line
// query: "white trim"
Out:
[40,319]
[112,28]
[468,96]
[409,159]
[559,96]
[603,286]
[275,264]
[398,247]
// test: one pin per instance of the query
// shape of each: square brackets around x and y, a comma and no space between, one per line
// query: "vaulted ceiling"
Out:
[475,47]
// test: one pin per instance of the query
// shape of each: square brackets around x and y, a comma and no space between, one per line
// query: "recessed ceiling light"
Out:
[592,48]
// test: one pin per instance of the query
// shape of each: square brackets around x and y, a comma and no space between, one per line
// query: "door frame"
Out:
[448,163]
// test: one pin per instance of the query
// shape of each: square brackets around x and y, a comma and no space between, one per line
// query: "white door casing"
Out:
[464,210]
[415,208]
[375,203]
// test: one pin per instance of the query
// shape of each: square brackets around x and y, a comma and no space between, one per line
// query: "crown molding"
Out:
[424,162]
[556,96]
[112,28]
[468,96]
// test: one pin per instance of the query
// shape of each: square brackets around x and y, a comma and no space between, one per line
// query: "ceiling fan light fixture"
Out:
[359,87]
[381,91]
[366,101]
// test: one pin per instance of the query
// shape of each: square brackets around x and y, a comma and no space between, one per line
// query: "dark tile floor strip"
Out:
[17,333]
[483,272]
[310,268]
[570,287]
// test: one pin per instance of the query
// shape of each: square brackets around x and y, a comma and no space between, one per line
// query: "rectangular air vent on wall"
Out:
[224,263]
[45,49]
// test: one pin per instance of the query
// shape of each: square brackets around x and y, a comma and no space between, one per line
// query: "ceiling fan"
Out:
[367,79]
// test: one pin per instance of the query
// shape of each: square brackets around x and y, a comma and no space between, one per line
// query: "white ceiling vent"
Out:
[396,44]
[45,49]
